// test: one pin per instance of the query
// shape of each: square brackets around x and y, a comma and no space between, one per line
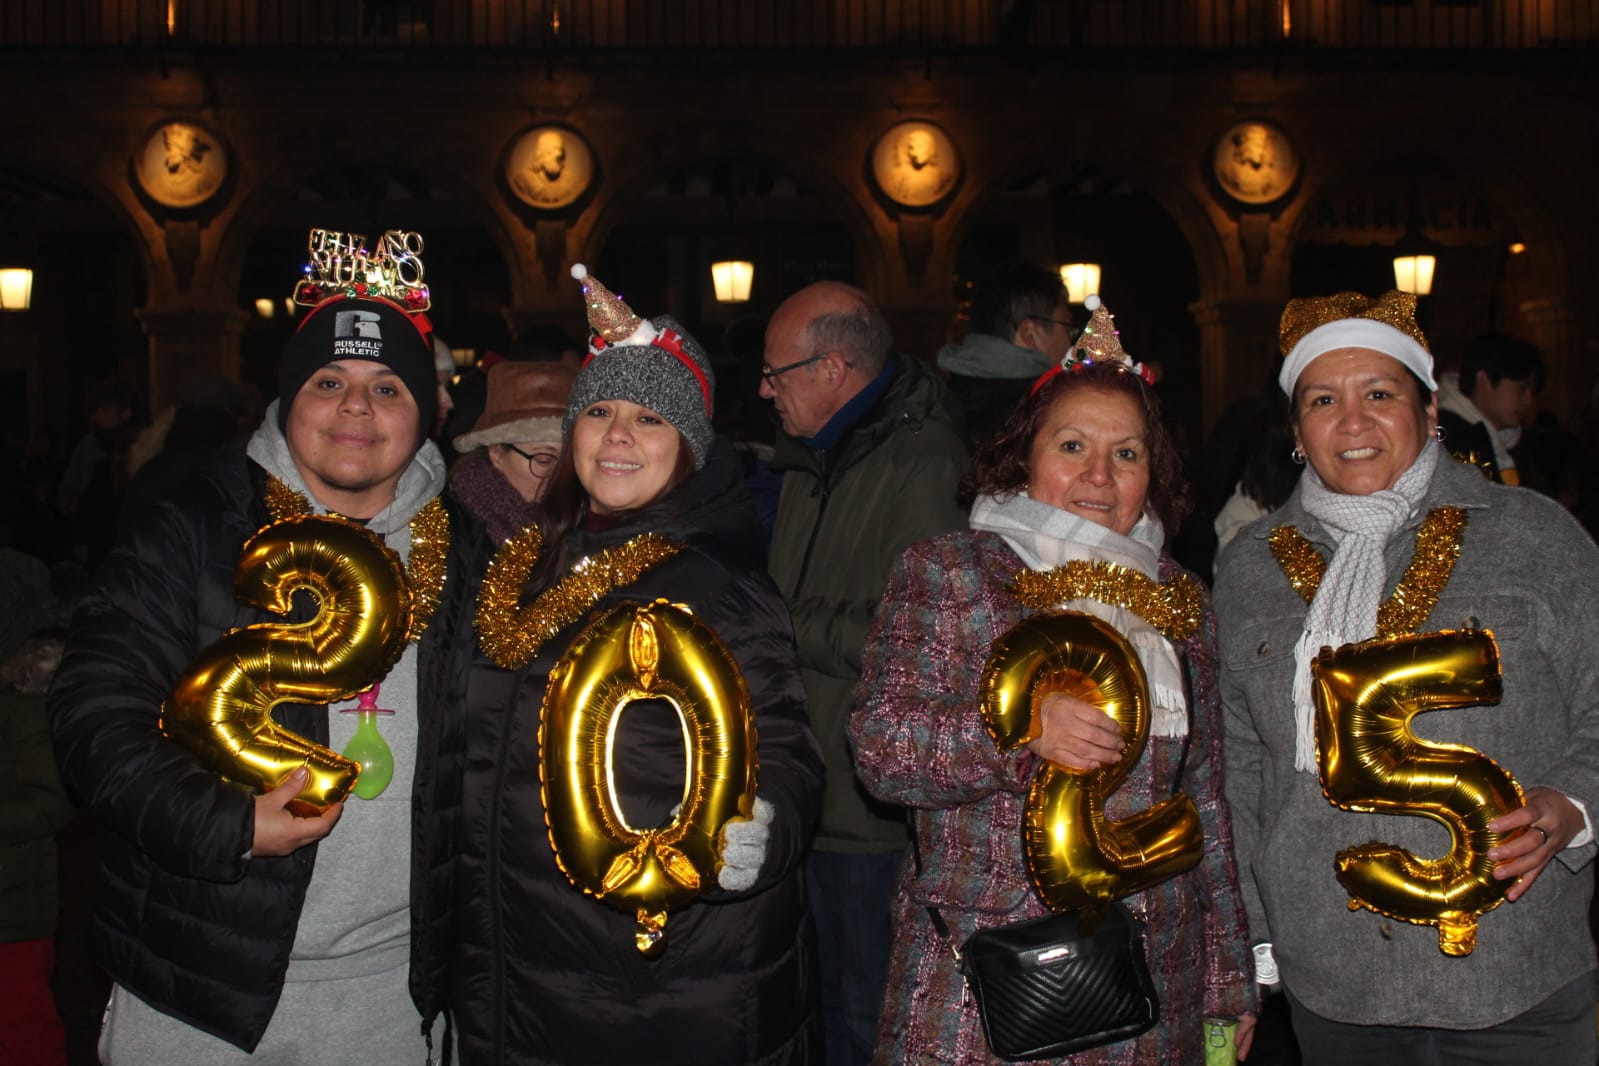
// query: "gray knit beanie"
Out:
[655,364]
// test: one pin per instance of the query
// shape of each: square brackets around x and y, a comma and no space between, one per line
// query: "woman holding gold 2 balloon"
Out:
[675,931]
[1386,927]
[1082,482]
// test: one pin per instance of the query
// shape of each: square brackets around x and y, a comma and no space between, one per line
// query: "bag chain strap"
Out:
[933,913]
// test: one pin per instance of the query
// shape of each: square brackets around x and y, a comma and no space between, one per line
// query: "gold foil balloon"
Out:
[221,706]
[1076,858]
[634,652]
[1370,761]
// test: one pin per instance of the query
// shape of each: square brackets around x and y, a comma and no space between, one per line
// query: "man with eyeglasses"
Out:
[1021,325]
[869,454]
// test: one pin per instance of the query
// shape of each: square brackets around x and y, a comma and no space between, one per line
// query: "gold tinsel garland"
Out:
[429,555]
[511,634]
[1412,601]
[1173,608]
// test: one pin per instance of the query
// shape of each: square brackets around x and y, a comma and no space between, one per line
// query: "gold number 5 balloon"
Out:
[1076,858]
[221,706]
[1369,760]
[659,651]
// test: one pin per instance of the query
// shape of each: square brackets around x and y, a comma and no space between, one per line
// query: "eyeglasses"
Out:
[539,464]
[770,373]
[1071,329]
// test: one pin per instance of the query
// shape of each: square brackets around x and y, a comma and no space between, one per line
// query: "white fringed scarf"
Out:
[1046,537]
[1345,608]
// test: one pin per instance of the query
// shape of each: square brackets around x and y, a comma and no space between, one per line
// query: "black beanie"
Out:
[355,327]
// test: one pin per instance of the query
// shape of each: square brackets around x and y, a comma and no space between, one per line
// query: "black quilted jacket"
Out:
[181,918]
[546,974]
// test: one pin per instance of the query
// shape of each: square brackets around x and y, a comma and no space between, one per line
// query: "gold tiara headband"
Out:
[1392,308]
[340,265]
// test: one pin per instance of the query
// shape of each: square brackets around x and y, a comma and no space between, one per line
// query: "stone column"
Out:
[915,275]
[189,340]
[1238,348]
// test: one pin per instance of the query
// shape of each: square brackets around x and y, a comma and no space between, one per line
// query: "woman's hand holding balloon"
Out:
[281,832]
[744,848]
[1076,735]
[1552,822]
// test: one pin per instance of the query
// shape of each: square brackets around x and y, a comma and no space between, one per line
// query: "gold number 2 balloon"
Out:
[1369,760]
[658,651]
[221,706]
[1076,858]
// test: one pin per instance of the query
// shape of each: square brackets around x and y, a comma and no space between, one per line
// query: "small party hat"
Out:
[610,319]
[1101,343]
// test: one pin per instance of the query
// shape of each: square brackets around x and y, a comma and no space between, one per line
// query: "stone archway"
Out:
[465,269]
[90,274]
[1352,228]
[1077,212]
[660,242]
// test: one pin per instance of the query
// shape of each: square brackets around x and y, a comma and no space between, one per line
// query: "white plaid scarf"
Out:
[1345,608]
[1046,537]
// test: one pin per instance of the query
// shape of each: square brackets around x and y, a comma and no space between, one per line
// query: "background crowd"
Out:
[859,462]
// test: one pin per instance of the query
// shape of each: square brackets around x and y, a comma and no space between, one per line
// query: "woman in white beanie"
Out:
[645,503]
[1385,535]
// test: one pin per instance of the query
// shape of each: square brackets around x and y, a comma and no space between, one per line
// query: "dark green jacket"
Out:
[33,809]
[843,519]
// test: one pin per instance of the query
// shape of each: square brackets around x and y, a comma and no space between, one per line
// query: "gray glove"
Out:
[744,848]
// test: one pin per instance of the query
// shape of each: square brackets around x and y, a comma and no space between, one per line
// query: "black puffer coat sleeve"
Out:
[129,641]
[754,623]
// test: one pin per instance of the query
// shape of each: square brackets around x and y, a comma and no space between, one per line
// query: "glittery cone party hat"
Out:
[1101,342]
[611,320]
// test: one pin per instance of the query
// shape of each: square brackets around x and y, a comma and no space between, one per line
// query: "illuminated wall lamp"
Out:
[732,279]
[16,289]
[1080,280]
[1413,273]
[266,307]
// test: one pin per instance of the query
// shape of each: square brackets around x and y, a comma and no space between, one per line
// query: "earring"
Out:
[1297,456]
[1438,433]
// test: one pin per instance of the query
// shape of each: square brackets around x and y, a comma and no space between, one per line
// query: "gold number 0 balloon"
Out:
[634,652]
[1076,859]
[221,705]
[1369,760]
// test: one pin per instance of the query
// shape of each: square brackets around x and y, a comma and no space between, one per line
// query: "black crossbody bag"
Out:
[1056,985]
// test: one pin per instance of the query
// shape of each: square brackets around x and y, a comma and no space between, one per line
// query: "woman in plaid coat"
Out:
[1083,471]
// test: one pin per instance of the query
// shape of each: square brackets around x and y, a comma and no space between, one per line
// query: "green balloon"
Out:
[369,748]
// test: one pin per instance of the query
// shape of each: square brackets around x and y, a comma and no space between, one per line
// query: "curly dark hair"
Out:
[1000,467]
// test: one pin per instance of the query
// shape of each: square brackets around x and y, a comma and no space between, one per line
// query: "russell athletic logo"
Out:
[357,334]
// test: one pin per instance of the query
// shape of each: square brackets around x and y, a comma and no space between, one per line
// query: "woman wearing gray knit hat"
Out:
[644,504]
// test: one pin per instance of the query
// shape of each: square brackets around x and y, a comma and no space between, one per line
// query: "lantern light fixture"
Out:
[1413,273]
[16,288]
[732,279]
[1080,279]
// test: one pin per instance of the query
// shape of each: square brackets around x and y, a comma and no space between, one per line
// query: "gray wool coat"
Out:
[1530,574]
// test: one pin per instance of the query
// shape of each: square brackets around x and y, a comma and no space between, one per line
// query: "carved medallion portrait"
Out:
[549,167]
[915,164]
[1255,163]
[181,165]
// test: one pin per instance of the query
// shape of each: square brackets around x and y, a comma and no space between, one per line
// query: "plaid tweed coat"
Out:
[920,742]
